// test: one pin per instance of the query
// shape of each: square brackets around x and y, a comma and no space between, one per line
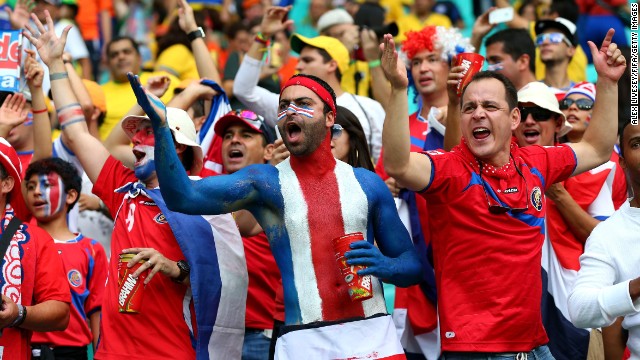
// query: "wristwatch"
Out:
[198,33]
[22,315]
[185,269]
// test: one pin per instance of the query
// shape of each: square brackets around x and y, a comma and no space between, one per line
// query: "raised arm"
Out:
[213,195]
[245,85]
[597,143]
[89,150]
[413,170]
[453,134]
[204,62]
[41,123]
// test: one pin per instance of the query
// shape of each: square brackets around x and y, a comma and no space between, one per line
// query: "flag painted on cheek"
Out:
[301,110]
[53,192]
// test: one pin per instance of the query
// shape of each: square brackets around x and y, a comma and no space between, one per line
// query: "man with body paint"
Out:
[302,204]
[52,188]
[190,310]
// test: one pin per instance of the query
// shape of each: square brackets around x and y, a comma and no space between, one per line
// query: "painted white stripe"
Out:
[186,311]
[355,214]
[297,224]
[427,344]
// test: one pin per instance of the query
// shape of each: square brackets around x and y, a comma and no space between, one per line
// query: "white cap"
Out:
[539,94]
[181,125]
[333,17]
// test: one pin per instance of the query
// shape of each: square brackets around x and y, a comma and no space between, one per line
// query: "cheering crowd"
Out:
[175,176]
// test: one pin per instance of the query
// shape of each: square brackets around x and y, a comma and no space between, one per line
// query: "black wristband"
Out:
[195,34]
[22,315]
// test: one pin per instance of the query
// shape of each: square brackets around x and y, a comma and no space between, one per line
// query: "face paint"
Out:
[301,110]
[495,67]
[146,167]
[29,120]
[52,192]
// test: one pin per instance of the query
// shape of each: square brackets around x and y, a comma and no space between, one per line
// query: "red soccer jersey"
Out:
[488,265]
[85,266]
[25,159]
[159,331]
[42,280]
[264,280]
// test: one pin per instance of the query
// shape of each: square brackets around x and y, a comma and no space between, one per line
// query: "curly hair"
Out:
[419,40]
[67,172]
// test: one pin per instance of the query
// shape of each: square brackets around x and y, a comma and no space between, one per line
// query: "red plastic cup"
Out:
[472,64]
[130,289]
[359,286]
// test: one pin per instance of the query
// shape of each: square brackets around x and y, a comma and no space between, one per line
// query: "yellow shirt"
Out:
[411,22]
[179,62]
[120,99]
[394,9]
[348,82]
[577,69]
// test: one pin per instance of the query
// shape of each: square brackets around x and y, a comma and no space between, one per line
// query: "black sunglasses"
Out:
[495,207]
[538,114]
[582,104]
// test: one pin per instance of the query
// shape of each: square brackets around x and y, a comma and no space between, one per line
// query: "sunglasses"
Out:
[582,104]
[336,131]
[552,38]
[495,205]
[248,115]
[538,114]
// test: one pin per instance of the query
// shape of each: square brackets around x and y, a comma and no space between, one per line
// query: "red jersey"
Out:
[42,280]
[160,329]
[85,266]
[25,159]
[264,280]
[487,265]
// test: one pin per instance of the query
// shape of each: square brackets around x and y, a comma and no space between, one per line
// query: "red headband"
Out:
[314,86]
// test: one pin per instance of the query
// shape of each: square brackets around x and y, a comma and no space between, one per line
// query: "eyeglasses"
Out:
[538,114]
[336,131]
[552,38]
[582,104]
[494,203]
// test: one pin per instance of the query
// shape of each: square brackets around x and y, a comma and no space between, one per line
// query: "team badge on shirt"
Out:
[160,218]
[536,198]
[74,277]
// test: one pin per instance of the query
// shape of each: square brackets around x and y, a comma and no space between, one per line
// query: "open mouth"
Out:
[531,135]
[293,131]
[572,119]
[235,154]
[140,155]
[481,133]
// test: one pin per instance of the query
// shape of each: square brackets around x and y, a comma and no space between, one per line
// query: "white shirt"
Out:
[611,259]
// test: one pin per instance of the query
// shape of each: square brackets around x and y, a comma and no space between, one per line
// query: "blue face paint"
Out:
[29,120]
[495,67]
[146,168]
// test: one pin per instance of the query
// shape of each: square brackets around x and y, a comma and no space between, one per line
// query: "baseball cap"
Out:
[96,94]
[584,88]
[540,95]
[333,46]
[181,126]
[333,17]
[11,162]
[565,26]
[254,121]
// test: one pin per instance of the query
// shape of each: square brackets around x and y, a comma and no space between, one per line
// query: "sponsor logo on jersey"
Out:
[511,190]
[74,277]
[160,218]
[536,198]
[148,203]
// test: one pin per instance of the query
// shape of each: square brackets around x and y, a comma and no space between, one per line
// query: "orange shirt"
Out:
[88,18]
[288,69]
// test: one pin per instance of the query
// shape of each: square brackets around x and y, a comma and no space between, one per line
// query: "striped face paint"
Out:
[52,192]
[29,120]
[301,110]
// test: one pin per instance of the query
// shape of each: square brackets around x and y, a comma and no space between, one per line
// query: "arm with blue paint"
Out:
[213,195]
[394,260]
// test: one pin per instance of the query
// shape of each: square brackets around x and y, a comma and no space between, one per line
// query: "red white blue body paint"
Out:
[301,110]
[53,192]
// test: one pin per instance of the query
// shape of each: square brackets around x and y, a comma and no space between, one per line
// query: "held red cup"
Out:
[472,64]
[130,289]
[359,286]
